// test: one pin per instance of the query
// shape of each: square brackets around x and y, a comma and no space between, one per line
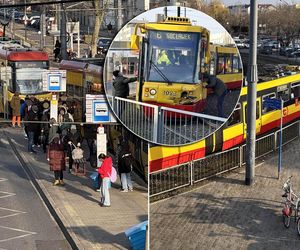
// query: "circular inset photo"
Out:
[173,75]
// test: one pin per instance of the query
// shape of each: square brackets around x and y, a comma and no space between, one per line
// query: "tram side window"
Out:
[236,67]
[228,65]
[257,111]
[268,96]
[285,97]
[295,90]
[131,68]
[235,118]
[221,65]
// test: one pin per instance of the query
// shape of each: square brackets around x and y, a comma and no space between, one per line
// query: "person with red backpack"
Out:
[105,171]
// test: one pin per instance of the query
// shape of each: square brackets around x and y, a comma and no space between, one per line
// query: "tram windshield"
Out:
[29,81]
[172,57]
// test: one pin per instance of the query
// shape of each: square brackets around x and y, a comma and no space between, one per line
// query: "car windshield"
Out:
[103,42]
[174,54]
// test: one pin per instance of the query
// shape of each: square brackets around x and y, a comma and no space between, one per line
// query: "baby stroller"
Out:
[79,160]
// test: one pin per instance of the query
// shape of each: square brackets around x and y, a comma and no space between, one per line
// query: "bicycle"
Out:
[291,203]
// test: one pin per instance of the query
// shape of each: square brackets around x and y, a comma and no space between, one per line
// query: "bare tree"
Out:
[99,14]
[283,22]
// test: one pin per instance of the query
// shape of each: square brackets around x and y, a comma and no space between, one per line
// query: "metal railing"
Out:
[173,178]
[164,125]
[216,164]
[187,174]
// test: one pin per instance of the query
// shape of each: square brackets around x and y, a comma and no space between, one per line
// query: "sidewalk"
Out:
[77,203]
[227,214]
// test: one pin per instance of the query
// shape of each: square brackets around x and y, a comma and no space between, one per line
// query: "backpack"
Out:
[113,175]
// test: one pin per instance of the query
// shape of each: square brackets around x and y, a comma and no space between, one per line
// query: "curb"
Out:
[46,198]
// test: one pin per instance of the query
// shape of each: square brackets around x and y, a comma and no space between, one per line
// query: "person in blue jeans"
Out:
[105,172]
[219,89]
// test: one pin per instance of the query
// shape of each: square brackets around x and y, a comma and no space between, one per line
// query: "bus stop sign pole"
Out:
[280,141]
[276,104]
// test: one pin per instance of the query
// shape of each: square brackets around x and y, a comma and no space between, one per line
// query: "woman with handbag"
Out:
[105,173]
[56,158]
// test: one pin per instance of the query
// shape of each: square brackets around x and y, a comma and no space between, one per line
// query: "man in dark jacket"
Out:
[32,126]
[121,84]
[220,91]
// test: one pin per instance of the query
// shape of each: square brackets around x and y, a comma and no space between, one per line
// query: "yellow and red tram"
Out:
[233,132]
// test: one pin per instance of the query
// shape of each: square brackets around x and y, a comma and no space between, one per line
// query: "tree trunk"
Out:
[99,14]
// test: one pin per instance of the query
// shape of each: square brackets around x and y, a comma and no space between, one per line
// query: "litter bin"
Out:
[137,236]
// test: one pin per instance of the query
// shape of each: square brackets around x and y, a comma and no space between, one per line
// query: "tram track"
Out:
[41,193]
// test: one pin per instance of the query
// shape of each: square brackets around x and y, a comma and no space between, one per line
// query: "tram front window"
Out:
[29,81]
[172,57]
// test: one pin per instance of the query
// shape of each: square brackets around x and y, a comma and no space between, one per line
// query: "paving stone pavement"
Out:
[226,214]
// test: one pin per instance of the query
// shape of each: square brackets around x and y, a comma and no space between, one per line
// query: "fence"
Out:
[164,125]
[187,174]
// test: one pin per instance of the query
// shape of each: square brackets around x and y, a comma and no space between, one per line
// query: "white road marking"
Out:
[7,194]
[16,212]
[2,179]
[4,141]
[27,233]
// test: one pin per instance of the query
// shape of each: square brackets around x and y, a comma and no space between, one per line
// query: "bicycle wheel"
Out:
[286,220]
[298,226]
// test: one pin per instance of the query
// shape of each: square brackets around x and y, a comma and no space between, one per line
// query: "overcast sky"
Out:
[233,2]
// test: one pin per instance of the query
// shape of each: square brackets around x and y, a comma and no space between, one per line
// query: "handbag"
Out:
[95,178]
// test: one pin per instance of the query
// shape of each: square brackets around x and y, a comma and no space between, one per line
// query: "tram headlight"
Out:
[152,91]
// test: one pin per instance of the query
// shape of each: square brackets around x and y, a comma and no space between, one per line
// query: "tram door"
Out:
[258,116]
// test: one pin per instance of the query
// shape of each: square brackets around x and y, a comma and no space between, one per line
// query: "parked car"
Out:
[295,54]
[103,45]
[32,20]
[239,43]
[266,49]
[35,24]
[285,51]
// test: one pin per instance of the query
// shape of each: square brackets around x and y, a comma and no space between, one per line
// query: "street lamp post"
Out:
[251,96]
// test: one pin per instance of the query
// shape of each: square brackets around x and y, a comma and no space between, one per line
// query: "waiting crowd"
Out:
[62,140]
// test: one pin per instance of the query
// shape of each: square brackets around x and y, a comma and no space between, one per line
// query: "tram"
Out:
[86,78]
[173,56]
[225,64]
[82,78]
[233,132]
[22,70]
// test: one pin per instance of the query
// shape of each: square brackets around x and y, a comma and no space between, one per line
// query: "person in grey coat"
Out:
[220,91]
[121,84]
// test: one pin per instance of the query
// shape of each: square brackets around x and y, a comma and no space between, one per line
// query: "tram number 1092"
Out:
[169,93]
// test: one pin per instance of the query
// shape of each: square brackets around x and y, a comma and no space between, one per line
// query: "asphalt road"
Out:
[25,222]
